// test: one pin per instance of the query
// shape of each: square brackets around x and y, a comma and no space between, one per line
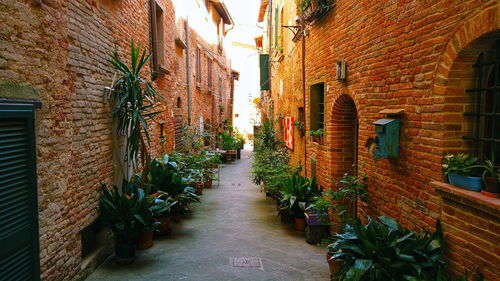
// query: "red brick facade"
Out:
[411,55]
[61,48]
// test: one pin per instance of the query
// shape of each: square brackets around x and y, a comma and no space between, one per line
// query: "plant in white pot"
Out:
[461,171]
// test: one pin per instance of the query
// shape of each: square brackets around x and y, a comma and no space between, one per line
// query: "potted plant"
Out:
[460,170]
[317,218]
[317,212]
[384,251]
[301,127]
[170,174]
[161,212]
[127,211]
[317,135]
[491,176]
[297,192]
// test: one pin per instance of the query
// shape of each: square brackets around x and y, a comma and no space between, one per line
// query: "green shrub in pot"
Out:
[297,192]
[462,171]
[127,211]
[382,250]
[491,178]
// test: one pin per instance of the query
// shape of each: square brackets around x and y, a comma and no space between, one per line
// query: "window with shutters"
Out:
[209,73]
[158,52]
[198,66]
[19,254]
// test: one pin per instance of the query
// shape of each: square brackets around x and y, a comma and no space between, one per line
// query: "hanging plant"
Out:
[136,102]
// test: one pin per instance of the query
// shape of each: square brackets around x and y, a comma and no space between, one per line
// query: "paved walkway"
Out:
[233,220]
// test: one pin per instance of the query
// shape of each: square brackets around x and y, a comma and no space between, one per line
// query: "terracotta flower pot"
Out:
[199,188]
[491,187]
[146,240]
[333,264]
[208,183]
[300,224]
[165,225]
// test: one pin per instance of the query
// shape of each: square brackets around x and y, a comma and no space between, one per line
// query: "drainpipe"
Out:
[188,71]
[270,32]
[302,28]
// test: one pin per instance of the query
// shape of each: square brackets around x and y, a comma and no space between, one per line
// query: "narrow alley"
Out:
[234,220]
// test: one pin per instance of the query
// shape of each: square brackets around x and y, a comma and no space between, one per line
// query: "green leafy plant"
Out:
[489,169]
[296,193]
[460,164]
[384,251]
[127,211]
[351,188]
[136,99]
[317,134]
[164,176]
[270,168]
[323,203]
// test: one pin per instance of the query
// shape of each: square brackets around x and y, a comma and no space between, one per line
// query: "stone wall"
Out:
[61,48]
[415,56]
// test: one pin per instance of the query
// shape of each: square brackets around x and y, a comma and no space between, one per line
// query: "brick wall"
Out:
[61,48]
[411,55]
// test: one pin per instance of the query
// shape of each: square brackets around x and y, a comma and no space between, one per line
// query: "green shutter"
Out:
[264,72]
[19,254]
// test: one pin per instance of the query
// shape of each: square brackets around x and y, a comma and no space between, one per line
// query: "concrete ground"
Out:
[234,220]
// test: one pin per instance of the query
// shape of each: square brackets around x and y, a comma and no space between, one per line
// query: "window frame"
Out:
[481,118]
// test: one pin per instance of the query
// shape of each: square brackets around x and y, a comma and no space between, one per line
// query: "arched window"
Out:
[179,102]
[486,111]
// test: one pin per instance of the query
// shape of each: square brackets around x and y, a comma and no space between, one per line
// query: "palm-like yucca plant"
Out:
[136,101]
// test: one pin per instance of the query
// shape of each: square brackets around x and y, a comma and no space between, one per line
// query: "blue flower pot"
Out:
[470,183]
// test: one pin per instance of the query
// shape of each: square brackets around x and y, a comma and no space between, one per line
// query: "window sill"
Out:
[468,198]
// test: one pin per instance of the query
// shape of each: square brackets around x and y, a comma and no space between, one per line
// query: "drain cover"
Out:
[247,262]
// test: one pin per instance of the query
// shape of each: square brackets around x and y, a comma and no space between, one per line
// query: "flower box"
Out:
[470,183]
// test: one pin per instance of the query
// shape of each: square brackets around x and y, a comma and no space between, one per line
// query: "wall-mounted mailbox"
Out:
[387,131]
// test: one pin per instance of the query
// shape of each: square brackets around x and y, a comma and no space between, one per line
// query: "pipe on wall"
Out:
[188,71]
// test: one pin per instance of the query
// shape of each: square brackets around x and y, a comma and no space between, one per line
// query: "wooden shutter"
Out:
[19,254]
[264,72]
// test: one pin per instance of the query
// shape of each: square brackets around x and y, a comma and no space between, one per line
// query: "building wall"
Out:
[61,48]
[413,56]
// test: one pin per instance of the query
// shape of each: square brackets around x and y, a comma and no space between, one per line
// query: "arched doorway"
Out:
[344,137]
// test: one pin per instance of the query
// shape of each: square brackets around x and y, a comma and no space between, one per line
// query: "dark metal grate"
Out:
[486,137]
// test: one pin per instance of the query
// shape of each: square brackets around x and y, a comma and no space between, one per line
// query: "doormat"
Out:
[247,262]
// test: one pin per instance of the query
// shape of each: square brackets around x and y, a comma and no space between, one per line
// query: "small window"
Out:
[158,52]
[317,107]
[198,65]
[486,138]
[209,71]
[179,102]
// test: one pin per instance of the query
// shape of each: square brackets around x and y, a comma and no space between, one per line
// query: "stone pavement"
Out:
[234,220]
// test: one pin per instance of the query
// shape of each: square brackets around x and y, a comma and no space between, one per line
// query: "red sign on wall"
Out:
[288,125]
